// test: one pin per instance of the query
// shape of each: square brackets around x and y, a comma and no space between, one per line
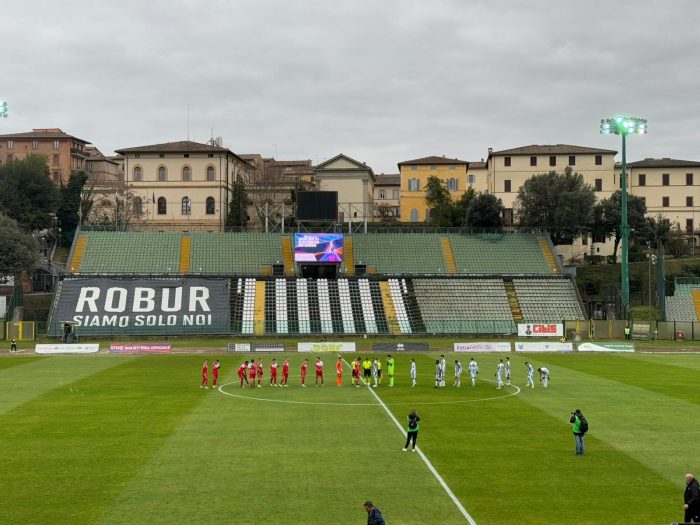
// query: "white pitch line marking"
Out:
[454,499]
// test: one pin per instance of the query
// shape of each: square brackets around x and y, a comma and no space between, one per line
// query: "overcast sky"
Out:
[381,81]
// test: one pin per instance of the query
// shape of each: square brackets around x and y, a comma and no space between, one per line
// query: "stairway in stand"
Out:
[549,256]
[696,302]
[513,301]
[288,255]
[185,248]
[448,256]
[78,253]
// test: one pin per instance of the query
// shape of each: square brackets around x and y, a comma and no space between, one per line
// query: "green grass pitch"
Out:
[109,439]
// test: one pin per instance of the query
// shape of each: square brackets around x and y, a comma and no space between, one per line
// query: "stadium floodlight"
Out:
[3,108]
[624,126]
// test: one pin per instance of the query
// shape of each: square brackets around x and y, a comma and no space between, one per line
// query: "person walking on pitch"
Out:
[458,373]
[412,430]
[390,369]
[530,374]
[473,370]
[413,372]
[499,373]
[507,370]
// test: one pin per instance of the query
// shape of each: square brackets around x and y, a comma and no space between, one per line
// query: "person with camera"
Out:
[412,430]
[580,429]
[691,499]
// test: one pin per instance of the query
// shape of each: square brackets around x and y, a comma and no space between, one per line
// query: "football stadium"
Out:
[130,432]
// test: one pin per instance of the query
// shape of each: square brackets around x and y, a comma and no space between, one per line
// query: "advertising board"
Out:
[267,347]
[540,330]
[140,348]
[400,347]
[325,347]
[238,347]
[605,347]
[318,247]
[482,347]
[106,306]
[66,349]
[543,347]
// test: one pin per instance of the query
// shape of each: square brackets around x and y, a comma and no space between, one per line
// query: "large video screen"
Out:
[317,205]
[318,247]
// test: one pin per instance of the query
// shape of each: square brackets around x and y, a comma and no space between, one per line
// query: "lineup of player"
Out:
[366,371]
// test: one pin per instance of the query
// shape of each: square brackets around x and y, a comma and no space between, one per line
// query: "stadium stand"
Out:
[129,253]
[400,253]
[547,300]
[234,253]
[683,305]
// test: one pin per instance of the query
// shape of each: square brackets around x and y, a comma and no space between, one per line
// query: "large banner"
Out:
[143,306]
[605,347]
[540,330]
[140,348]
[325,347]
[482,347]
[543,347]
[66,349]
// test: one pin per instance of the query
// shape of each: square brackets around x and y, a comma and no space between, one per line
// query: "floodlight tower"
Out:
[624,126]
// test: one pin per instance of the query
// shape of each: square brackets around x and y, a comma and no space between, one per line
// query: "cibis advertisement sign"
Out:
[143,306]
[540,330]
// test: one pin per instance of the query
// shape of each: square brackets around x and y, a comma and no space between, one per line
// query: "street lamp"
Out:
[624,126]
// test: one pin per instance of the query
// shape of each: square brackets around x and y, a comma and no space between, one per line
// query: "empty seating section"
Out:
[303,313]
[131,252]
[508,253]
[680,306]
[282,323]
[248,324]
[464,306]
[547,300]
[234,253]
[367,307]
[346,306]
[400,253]
[398,289]
[324,306]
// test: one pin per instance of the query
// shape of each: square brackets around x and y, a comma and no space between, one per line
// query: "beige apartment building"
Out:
[669,187]
[64,153]
[387,197]
[354,181]
[180,186]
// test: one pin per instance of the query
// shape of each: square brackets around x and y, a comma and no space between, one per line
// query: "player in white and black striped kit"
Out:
[507,370]
[443,370]
[499,373]
[473,370]
[458,373]
[530,374]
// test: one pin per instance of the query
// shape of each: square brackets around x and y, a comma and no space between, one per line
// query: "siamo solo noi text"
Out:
[143,307]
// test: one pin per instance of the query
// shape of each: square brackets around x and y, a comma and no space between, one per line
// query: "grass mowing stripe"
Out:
[10,361]
[35,377]
[434,472]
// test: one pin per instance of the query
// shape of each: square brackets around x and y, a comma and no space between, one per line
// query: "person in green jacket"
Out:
[390,369]
[576,418]
[412,430]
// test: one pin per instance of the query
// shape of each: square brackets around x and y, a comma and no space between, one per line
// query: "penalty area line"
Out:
[425,459]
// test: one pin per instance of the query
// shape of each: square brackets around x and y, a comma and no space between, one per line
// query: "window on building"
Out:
[506,186]
[186,174]
[506,161]
[689,225]
[414,168]
[137,174]
[10,157]
[452,184]
[452,168]
[665,179]
[665,202]
[161,155]
[533,161]
[186,205]
[136,155]
[210,173]
[584,239]
[56,159]
[56,144]
[56,176]
[413,185]
[552,160]
[598,238]
[471,179]
[162,174]
[598,160]
[210,155]
[211,206]
[162,206]
[395,194]
[599,185]
[433,168]
[642,179]
[186,155]
[382,194]
[138,206]
[35,144]
[689,201]
[688,179]
[572,160]
[414,215]
[10,144]
[508,217]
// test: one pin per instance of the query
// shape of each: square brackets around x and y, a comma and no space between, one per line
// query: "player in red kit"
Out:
[356,371]
[243,373]
[251,373]
[273,372]
[319,371]
[304,367]
[215,372]
[339,372]
[260,372]
[205,374]
[285,373]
